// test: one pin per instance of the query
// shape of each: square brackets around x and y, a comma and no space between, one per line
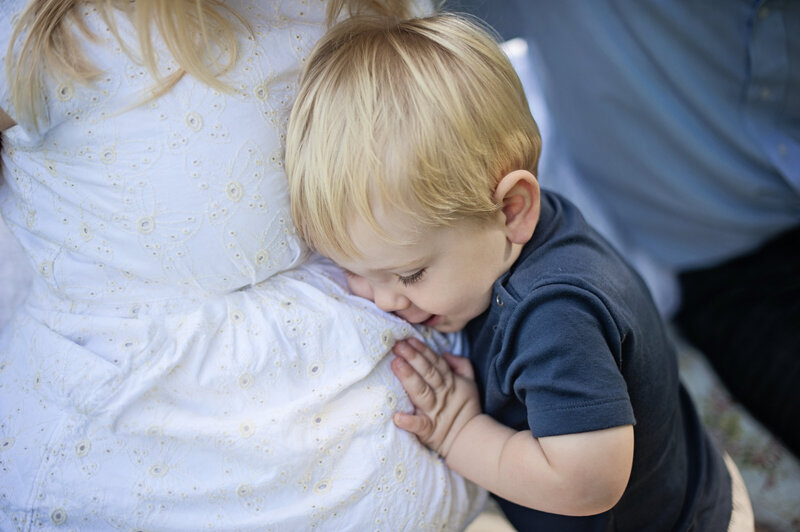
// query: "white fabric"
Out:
[179,364]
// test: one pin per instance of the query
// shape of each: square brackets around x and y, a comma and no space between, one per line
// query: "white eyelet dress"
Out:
[181,363]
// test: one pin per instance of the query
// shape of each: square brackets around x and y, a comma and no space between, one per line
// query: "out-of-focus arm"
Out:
[6,121]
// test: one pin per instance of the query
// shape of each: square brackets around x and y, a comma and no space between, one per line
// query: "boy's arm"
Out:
[571,474]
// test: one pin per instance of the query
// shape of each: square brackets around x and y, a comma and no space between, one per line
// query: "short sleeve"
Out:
[564,364]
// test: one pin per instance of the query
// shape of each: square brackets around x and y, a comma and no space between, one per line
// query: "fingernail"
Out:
[398,365]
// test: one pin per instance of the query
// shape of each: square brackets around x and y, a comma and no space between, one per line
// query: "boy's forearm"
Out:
[506,462]
[514,465]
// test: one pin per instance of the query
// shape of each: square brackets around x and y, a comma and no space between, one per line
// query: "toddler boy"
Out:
[412,160]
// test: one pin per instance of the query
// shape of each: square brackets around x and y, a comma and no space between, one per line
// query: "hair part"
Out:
[421,116]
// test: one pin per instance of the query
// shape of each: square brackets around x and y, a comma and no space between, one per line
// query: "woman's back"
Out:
[177,364]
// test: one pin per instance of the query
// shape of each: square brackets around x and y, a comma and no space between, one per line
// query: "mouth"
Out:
[432,321]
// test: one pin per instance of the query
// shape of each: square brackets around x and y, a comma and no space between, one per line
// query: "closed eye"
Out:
[413,278]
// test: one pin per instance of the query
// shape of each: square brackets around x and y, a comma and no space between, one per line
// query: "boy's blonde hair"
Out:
[421,116]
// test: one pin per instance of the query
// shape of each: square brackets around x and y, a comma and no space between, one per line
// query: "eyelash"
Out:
[413,278]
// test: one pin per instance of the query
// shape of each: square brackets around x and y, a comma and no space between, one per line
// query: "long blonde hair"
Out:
[50,32]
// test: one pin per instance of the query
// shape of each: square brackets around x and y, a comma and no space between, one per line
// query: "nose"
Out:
[390,300]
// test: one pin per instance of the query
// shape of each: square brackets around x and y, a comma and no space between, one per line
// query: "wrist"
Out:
[481,433]
[460,429]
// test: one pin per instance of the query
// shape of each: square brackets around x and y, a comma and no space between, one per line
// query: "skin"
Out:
[443,278]
[435,280]
[6,121]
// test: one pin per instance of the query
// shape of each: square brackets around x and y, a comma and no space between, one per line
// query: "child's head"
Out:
[406,124]
[424,116]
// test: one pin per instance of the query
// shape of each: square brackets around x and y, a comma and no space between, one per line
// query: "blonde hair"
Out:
[422,116]
[201,36]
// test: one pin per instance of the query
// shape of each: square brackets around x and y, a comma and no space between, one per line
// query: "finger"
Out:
[419,392]
[428,369]
[419,425]
[423,349]
[433,358]
[461,366]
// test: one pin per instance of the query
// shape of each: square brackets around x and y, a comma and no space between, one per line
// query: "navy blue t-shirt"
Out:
[572,342]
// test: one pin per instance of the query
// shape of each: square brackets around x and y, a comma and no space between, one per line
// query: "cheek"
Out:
[455,298]
[472,295]
[360,287]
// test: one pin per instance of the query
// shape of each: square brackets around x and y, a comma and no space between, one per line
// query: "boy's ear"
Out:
[518,193]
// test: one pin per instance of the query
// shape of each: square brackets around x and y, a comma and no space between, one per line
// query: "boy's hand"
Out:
[442,389]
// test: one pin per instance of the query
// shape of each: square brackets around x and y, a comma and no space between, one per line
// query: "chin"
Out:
[449,327]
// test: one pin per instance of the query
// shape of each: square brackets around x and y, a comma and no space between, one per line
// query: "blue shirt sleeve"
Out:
[562,359]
